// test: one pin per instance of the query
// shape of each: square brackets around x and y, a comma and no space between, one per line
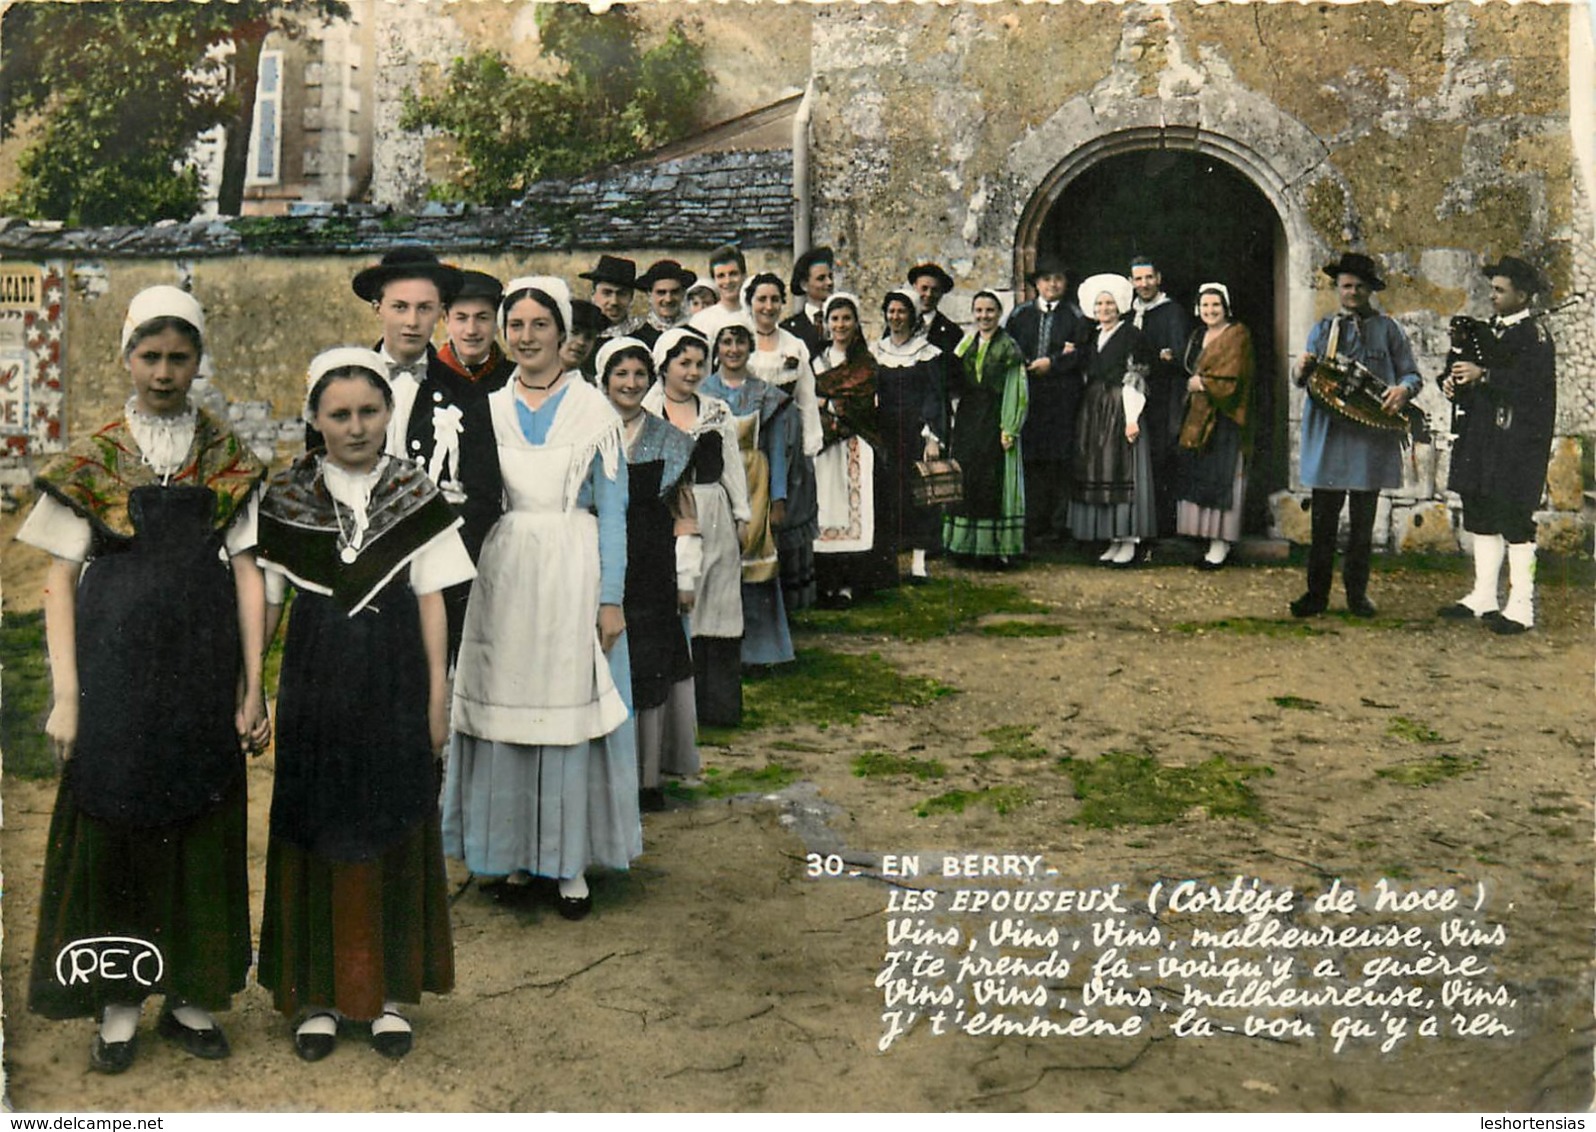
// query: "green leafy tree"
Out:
[120,91]
[612,100]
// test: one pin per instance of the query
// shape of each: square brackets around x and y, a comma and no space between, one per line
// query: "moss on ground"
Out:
[1296,703]
[1128,788]
[24,696]
[1003,799]
[885,764]
[1011,741]
[822,688]
[916,613]
[1426,772]
[716,782]
[1023,629]
[1413,731]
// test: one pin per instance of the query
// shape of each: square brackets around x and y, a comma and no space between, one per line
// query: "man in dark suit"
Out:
[813,280]
[1046,331]
[930,282]
[1166,325]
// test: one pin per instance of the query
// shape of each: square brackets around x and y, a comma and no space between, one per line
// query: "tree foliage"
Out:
[613,100]
[120,92]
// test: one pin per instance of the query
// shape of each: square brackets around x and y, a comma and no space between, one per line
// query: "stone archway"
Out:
[1199,218]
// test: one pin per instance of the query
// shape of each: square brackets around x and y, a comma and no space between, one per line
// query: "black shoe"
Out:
[1361,607]
[919,580]
[1308,606]
[394,1044]
[574,907]
[510,895]
[1508,627]
[314,1047]
[651,800]
[1209,564]
[1457,611]
[111,1058]
[210,1044]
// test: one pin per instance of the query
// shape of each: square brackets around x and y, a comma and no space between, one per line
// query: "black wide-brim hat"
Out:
[944,280]
[479,285]
[1521,272]
[409,263]
[613,269]
[1356,263]
[666,269]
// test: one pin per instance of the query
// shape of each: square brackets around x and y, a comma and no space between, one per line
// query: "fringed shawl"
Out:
[96,474]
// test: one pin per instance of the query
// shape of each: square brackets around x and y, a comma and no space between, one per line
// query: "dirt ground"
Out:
[717,976]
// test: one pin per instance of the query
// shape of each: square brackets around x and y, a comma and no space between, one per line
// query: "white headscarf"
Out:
[1197,307]
[611,347]
[668,341]
[340,357]
[1117,287]
[551,285]
[163,301]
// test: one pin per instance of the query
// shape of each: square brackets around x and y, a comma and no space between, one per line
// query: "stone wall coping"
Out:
[700,201]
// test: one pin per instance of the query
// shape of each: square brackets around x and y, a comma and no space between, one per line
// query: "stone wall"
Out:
[267,316]
[1428,135]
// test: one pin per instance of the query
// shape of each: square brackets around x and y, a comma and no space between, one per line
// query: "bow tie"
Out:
[412,371]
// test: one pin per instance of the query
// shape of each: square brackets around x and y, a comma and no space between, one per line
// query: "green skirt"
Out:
[352,935]
[183,888]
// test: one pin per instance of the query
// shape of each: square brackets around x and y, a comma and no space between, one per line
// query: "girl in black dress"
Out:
[155,659]
[356,912]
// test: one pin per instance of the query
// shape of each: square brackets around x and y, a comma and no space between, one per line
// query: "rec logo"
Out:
[113,958]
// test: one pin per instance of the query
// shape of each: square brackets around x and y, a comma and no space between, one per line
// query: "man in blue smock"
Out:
[1345,462]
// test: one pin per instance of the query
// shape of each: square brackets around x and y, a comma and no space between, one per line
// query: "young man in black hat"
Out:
[813,280]
[581,341]
[470,320]
[614,278]
[1045,331]
[408,289]
[666,283]
[1166,325]
[931,283]
[1506,409]
[1342,460]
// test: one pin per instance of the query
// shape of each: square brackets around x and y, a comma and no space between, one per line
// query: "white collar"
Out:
[1138,303]
[1513,319]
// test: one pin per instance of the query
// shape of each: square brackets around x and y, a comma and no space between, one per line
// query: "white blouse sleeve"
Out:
[276,584]
[732,477]
[442,563]
[241,536]
[58,530]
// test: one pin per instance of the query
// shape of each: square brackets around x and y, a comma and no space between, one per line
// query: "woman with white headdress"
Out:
[911,386]
[1113,470]
[357,912]
[154,618]
[720,492]
[1216,434]
[534,787]
[856,551]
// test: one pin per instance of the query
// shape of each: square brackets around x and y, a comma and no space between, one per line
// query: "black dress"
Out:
[148,837]
[356,908]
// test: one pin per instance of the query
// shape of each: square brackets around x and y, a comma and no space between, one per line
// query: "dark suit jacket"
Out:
[1056,395]
[801,326]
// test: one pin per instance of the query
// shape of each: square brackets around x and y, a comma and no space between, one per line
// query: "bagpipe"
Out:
[1352,391]
[1473,340]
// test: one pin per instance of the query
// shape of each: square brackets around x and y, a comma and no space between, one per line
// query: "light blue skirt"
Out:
[551,811]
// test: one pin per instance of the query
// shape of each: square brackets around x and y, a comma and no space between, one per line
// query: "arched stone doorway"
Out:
[1200,218]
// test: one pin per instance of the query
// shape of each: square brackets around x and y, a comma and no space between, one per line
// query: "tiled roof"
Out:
[700,201]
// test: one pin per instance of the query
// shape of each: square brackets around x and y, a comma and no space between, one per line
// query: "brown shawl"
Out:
[1226,367]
